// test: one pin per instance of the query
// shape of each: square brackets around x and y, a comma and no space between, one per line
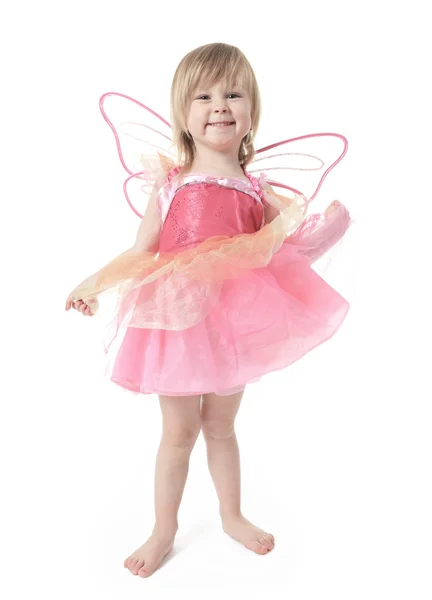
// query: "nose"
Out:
[220,105]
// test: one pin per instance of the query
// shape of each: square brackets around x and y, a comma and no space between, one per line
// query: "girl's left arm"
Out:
[317,234]
[270,213]
[270,210]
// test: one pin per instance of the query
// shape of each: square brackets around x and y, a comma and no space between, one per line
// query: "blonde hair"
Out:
[204,66]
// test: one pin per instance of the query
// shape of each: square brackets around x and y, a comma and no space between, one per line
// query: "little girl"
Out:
[213,295]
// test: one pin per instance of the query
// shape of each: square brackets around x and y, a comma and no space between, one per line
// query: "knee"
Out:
[184,437]
[220,429]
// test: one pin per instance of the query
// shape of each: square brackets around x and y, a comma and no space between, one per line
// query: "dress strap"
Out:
[256,185]
[172,173]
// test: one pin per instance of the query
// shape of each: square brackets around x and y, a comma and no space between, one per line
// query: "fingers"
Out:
[69,303]
[83,307]
[332,206]
[80,306]
[85,310]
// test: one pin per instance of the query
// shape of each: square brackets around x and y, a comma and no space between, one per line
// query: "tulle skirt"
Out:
[222,312]
[248,325]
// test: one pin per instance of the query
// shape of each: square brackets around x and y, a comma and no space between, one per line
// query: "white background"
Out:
[336,449]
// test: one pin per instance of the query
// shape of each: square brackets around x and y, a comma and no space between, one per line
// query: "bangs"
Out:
[220,64]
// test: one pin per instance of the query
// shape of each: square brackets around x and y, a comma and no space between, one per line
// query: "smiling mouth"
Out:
[225,124]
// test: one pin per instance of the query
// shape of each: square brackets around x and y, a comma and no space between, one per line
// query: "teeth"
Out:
[220,124]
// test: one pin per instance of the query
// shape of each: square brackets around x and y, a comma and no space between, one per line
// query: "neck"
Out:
[217,162]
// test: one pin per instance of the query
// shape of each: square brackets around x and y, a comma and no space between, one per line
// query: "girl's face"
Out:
[219,104]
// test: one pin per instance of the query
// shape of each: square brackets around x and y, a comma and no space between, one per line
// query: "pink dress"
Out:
[227,299]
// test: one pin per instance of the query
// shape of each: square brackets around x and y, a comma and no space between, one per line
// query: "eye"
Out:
[205,96]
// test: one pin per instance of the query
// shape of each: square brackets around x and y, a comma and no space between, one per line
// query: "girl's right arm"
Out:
[148,235]
[147,240]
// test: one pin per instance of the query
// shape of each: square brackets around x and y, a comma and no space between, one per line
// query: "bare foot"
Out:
[148,557]
[252,537]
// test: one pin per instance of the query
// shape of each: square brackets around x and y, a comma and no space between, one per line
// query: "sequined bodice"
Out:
[198,206]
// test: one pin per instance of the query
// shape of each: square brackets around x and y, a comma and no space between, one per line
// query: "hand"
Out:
[331,207]
[87,309]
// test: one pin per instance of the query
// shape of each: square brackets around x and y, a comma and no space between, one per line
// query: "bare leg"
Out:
[217,420]
[181,427]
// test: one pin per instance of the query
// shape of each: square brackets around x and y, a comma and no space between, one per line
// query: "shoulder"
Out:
[167,191]
[260,185]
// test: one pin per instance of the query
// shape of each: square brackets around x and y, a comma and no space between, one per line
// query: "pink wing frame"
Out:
[152,121]
[277,183]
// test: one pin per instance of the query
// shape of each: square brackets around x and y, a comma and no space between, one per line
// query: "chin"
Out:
[224,146]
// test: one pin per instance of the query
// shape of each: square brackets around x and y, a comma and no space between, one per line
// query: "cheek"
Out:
[244,114]
[195,118]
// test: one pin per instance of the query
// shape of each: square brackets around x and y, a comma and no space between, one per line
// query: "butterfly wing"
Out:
[293,165]
[144,145]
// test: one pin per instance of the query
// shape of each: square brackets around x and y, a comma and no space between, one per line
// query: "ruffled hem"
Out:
[137,388]
[263,321]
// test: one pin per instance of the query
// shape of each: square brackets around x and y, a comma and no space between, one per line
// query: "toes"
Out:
[265,543]
[133,566]
[139,566]
[263,549]
[257,547]
[269,539]
[136,566]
